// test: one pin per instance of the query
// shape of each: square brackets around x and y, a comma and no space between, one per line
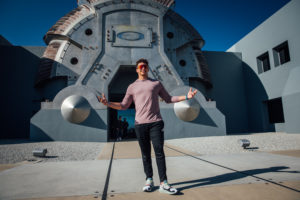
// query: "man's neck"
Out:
[142,78]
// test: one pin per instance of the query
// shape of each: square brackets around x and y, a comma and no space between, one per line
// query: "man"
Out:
[125,127]
[119,129]
[148,121]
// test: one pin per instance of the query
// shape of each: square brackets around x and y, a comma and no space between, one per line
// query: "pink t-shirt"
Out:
[145,94]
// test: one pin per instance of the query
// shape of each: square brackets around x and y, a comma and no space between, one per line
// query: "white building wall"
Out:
[280,27]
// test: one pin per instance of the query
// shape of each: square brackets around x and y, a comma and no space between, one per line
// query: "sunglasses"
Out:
[141,66]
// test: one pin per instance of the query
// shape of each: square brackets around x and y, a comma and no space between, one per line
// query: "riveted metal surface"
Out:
[88,46]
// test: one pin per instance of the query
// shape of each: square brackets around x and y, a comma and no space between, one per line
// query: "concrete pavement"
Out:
[253,175]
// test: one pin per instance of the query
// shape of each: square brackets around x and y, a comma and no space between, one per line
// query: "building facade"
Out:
[252,87]
[272,51]
[94,49]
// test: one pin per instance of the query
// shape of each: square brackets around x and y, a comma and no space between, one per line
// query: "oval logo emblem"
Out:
[130,35]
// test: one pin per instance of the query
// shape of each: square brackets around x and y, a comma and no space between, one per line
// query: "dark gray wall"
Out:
[256,96]
[19,68]
[228,89]
[20,100]
[238,92]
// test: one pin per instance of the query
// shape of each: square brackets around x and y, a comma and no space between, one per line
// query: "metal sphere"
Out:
[75,109]
[187,110]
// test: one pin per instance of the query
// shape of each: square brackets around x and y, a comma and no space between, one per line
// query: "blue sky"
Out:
[220,22]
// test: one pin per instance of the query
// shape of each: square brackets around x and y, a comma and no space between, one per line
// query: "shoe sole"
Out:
[150,189]
[167,192]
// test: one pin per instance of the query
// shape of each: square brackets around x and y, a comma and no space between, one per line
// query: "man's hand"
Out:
[191,93]
[114,105]
[102,99]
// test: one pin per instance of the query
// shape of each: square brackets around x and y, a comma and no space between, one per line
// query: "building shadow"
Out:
[94,121]
[256,97]
[204,118]
[238,91]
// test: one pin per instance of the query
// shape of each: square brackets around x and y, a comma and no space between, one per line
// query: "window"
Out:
[275,110]
[281,54]
[263,63]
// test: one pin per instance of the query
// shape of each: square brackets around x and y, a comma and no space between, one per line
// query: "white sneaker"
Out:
[166,188]
[148,185]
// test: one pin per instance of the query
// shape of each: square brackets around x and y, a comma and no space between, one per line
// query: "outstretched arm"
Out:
[173,99]
[114,105]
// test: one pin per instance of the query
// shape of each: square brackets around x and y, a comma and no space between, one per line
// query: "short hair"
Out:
[142,60]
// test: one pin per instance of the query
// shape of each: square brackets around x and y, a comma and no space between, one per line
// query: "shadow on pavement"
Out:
[232,176]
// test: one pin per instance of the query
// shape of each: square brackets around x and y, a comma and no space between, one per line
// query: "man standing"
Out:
[119,129]
[125,127]
[148,121]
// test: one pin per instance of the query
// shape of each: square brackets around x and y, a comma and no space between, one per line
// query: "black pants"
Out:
[154,132]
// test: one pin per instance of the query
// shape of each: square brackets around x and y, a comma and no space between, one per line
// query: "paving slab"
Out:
[87,197]
[260,164]
[105,153]
[183,172]
[294,153]
[131,149]
[9,166]
[228,192]
[53,179]
[251,175]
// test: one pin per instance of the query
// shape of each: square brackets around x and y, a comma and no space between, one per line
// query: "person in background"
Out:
[125,127]
[119,129]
